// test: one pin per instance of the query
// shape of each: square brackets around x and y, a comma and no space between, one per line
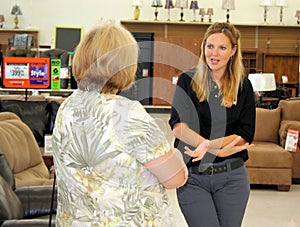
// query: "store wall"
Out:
[45,14]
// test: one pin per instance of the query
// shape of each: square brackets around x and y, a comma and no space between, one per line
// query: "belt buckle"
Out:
[211,170]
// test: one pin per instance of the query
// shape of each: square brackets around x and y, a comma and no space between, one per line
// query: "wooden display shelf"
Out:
[265,37]
[6,34]
[250,60]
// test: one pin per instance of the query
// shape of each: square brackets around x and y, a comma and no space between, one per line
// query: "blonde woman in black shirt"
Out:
[213,121]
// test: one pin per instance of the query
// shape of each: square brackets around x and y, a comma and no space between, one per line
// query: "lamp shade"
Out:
[281,3]
[16,10]
[156,3]
[202,11]
[194,5]
[228,4]
[2,18]
[262,81]
[210,11]
[137,3]
[297,13]
[169,4]
[181,4]
[266,3]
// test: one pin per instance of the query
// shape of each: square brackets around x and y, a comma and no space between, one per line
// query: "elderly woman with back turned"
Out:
[112,161]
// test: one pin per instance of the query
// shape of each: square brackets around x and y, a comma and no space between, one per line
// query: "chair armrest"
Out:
[285,125]
[36,200]
[28,223]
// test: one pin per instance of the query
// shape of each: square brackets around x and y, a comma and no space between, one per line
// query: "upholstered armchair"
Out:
[22,152]
[26,206]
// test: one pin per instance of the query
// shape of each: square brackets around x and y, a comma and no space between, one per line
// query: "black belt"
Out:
[211,170]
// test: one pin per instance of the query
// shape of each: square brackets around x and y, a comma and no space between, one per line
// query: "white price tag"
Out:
[48,144]
[16,71]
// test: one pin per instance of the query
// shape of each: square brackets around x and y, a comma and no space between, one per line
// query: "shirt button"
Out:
[215,87]
[216,96]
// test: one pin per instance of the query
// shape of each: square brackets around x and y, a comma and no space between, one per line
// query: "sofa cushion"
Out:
[267,125]
[290,109]
[268,155]
[22,153]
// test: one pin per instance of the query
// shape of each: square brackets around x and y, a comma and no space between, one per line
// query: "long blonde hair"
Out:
[106,59]
[234,73]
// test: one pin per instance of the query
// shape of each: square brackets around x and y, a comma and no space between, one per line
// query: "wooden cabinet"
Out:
[256,40]
[282,64]
[278,39]
[6,34]
[172,56]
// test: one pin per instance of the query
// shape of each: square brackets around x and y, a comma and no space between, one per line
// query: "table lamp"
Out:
[265,4]
[16,10]
[194,6]
[210,12]
[262,82]
[169,5]
[137,4]
[281,4]
[202,14]
[156,4]
[182,4]
[2,20]
[298,16]
[228,5]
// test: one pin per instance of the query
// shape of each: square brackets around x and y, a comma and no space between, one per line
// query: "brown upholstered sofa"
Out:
[22,152]
[269,163]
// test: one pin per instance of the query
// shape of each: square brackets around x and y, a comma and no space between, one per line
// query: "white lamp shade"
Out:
[281,3]
[266,3]
[228,4]
[262,81]
[137,3]
[182,4]
[156,3]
